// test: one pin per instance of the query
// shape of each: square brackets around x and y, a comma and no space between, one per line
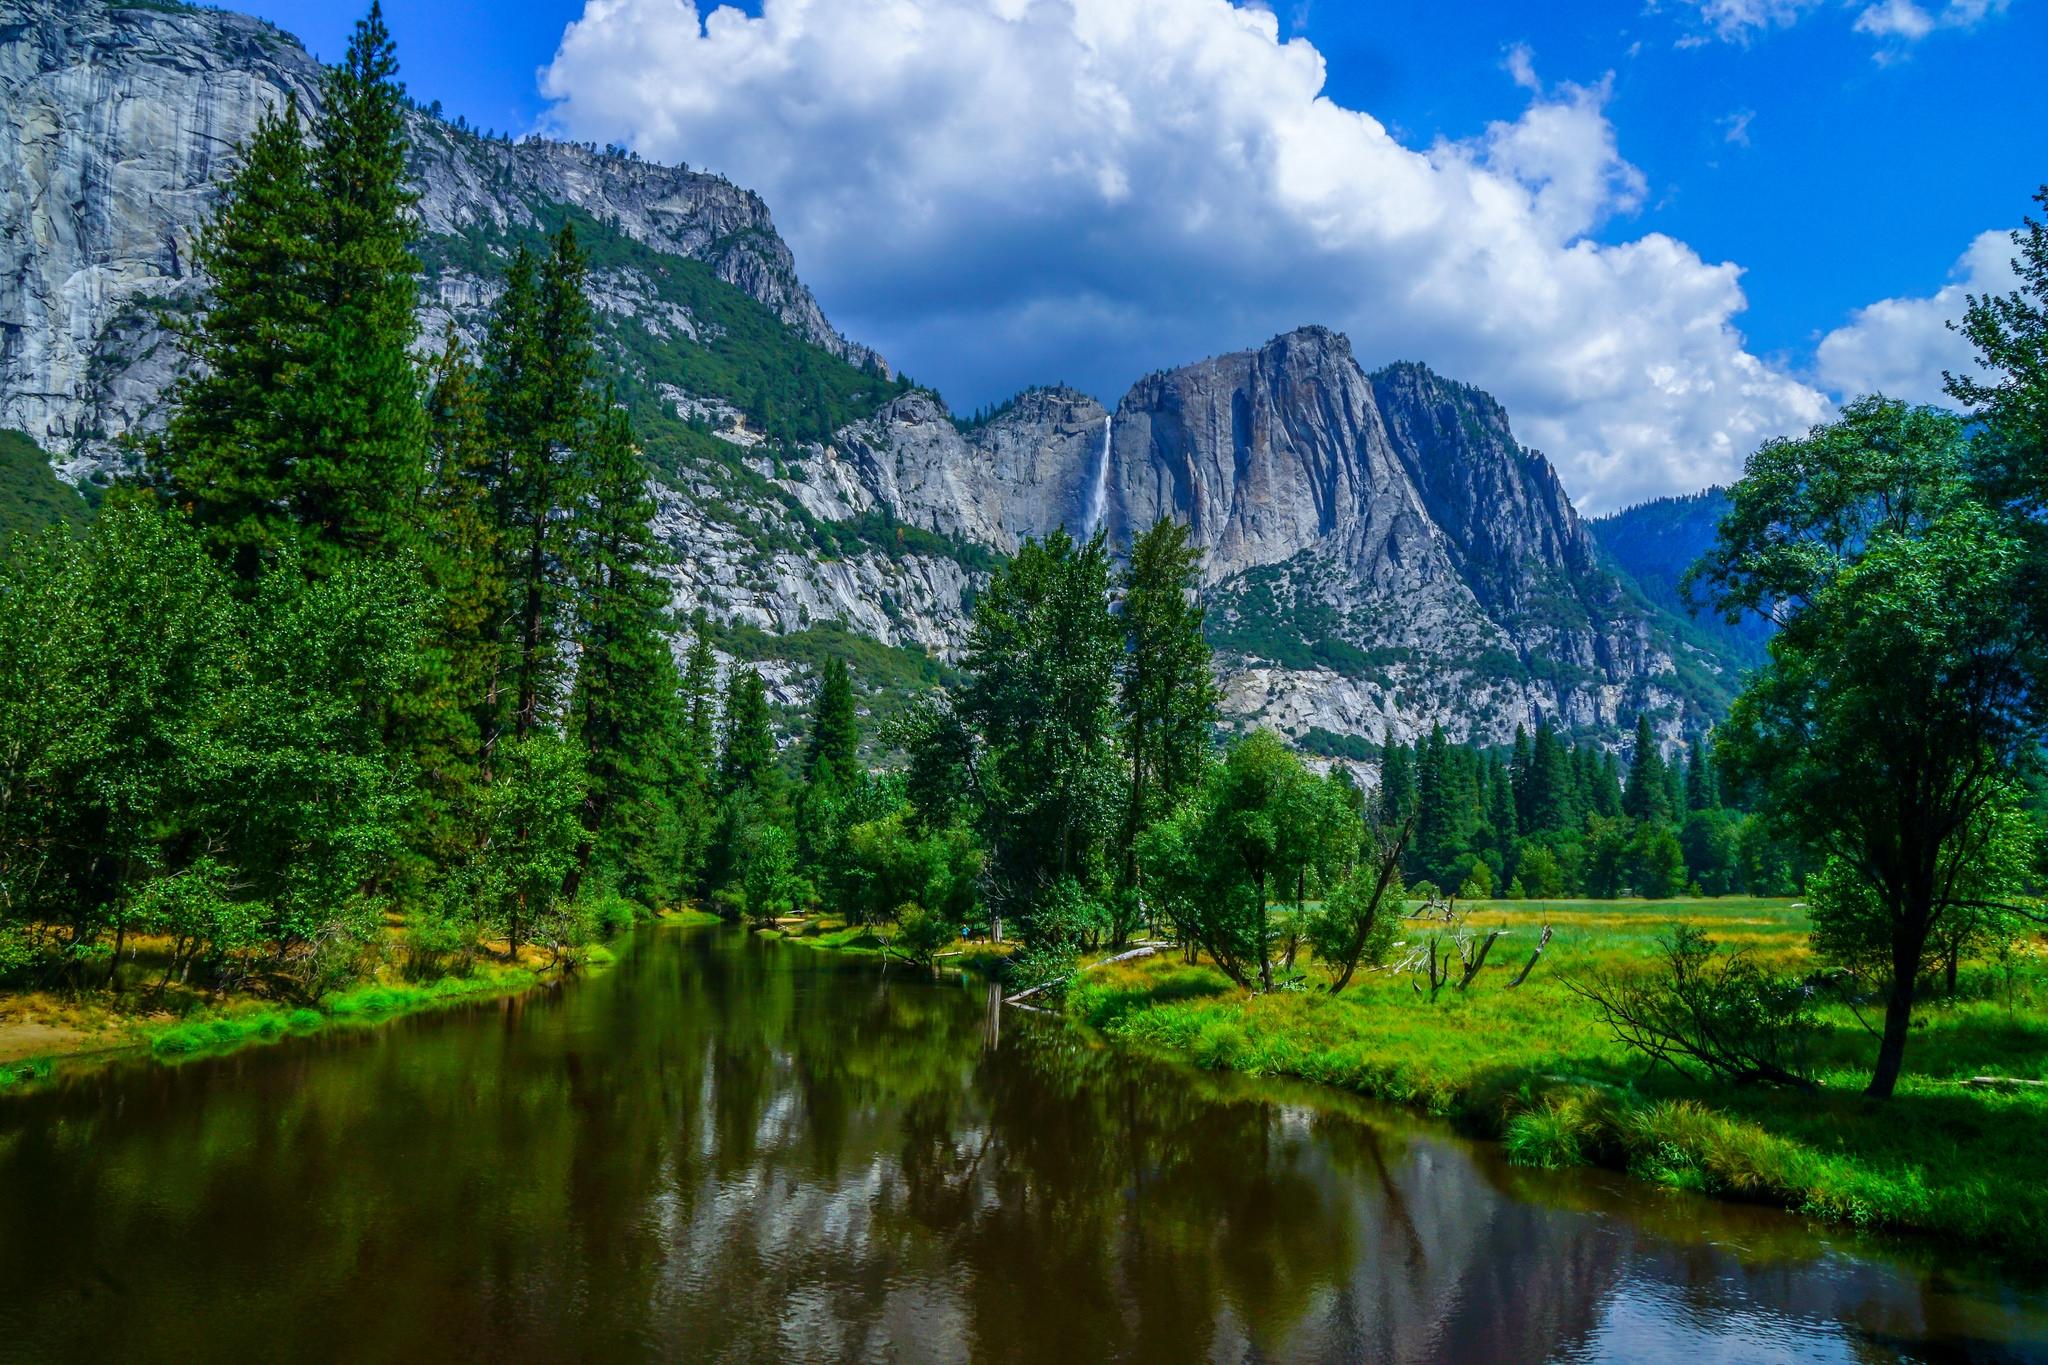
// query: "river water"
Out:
[732,1149]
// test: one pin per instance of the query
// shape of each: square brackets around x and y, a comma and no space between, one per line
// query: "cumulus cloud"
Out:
[1899,347]
[996,192]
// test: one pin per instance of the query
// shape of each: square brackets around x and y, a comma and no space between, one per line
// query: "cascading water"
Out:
[1098,493]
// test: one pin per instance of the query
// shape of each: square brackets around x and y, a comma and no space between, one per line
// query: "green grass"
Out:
[375,1003]
[1535,1068]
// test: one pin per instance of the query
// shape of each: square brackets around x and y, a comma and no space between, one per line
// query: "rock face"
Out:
[121,120]
[1381,554]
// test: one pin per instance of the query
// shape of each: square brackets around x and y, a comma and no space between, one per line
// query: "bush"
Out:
[1721,1013]
[922,933]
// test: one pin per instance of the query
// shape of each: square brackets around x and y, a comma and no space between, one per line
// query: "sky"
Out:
[1658,232]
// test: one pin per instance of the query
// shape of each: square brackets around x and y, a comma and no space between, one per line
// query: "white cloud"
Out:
[1740,20]
[997,192]
[1521,67]
[1735,126]
[1893,21]
[1899,347]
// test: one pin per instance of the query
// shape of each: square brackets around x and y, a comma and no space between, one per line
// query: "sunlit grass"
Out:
[1535,1068]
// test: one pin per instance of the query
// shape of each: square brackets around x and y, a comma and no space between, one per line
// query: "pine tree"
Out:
[540,356]
[1167,685]
[1438,802]
[1521,774]
[229,451]
[626,707]
[1702,791]
[1646,797]
[746,741]
[361,427]
[700,697]
[1552,804]
[1607,795]
[1501,821]
[1397,780]
[832,757]
[440,721]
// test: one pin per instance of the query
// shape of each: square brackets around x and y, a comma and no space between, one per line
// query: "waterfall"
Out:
[1098,493]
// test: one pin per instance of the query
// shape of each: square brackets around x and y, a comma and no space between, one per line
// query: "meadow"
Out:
[1536,1068]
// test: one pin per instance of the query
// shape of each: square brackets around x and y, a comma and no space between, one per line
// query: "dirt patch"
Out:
[37,1038]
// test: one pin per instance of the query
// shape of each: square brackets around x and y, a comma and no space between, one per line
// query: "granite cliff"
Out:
[1382,555]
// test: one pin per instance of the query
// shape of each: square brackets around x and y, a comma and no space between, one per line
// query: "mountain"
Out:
[1655,542]
[1382,553]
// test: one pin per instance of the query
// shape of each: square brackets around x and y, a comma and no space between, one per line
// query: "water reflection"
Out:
[733,1150]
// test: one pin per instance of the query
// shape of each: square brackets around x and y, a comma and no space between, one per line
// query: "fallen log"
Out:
[1143,950]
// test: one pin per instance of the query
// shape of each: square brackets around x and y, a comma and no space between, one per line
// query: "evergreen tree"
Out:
[540,356]
[1607,795]
[1437,823]
[1042,659]
[1702,791]
[746,740]
[361,428]
[832,757]
[626,707]
[1397,780]
[230,449]
[1647,795]
[1521,773]
[1501,821]
[1167,685]
[440,721]
[1552,806]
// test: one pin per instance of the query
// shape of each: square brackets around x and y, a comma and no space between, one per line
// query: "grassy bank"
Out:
[173,1028]
[837,936]
[1535,1068]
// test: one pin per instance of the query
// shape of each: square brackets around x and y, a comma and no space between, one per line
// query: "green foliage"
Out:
[32,497]
[1896,707]
[1721,1013]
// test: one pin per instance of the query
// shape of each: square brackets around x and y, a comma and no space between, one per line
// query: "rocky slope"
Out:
[1381,553]
[121,119]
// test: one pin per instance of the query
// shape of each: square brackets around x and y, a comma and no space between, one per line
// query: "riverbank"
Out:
[40,1033]
[1534,1068]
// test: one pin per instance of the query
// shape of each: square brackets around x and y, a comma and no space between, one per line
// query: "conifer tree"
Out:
[1552,805]
[832,757]
[1702,791]
[1167,686]
[231,446]
[440,721]
[746,741]
[361,427]
[1646,797]
[1437,826]
[1521,774]
[626,707]
[1397,780]
[540,357]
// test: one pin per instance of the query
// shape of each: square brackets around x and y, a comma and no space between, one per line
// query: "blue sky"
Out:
[1542,199]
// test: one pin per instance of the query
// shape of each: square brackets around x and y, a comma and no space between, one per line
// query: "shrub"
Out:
[1721,1013]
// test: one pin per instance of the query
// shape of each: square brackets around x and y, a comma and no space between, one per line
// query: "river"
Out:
[729,1149]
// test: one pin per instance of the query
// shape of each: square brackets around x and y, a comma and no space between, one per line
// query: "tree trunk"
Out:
[1891,1048]
[1265,957]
